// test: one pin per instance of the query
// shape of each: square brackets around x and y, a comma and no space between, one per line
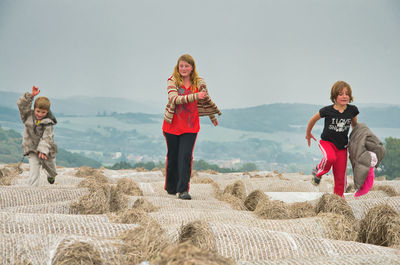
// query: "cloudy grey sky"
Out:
[250,52]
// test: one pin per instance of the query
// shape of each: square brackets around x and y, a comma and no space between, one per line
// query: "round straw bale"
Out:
[96,202]
[253,198]
[332,203]
[380,226]
[391,191]
[235,202]
[301,209]
[338,226]
[118,200]
[272,210]
[129,216]
[228,189]
[198,180]
[145,205]
[199,234]
[239,190]
[143,243]
[21,261]
[129,187]
[76,252]
[188,254]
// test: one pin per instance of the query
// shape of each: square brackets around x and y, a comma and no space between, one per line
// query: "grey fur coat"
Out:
[37,138]
[361,141]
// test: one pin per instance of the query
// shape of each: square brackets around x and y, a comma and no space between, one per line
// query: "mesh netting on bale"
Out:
[361,207]
[278,185]
[172,203]
[325,225]
[389,190]
[332,203]
[353,259]
[60,225]
[153,176]
[376,194]
[392,183]
[39,248]
[62,207]
[253,244]
[21,196]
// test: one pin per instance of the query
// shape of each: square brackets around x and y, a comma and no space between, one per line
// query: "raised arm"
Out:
[310,126]
[24,103]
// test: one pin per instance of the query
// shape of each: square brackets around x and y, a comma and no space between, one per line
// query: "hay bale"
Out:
[332,203]
[235,202]
[199,234]
[96,202]
[350,188]
[141,169]
[186,254]
[254,198]
[390,191]
[256,176]
[339,227]
[118,200]
[272,210]
[238,190]
[76,252]
[198,180]
[129,187]
[145,205]
[228,189]
[91,176]
[144,243]
[129,216]
[380,226]
[301,209]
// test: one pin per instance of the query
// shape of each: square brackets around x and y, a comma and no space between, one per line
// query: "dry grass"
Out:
[144,243]
[91,175]
[144,205]
[129,216]
[301,210]
[188,254]
[389,190]
[267,209]
[76,252]
[254,198]
[102,198]
[129,187]
[199,180]
[226,196]
[380,226]
[339,227]
[350,188]
[332,203]
[9,173]
[199,234]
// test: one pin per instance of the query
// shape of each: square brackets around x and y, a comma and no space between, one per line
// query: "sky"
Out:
[249,52]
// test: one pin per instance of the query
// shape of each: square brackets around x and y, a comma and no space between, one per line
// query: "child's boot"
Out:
[51,179]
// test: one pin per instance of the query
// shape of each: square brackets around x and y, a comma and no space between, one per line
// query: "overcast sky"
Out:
[249,52]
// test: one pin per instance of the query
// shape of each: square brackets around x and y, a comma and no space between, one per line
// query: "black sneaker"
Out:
[315,180]
[51,179]
[184,196]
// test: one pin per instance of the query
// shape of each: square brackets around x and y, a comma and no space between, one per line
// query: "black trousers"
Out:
[179,161]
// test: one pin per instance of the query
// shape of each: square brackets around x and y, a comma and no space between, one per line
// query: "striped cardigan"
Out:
[205,107]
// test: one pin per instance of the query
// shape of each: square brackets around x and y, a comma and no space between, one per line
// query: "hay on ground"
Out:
[145,205]
[91,176]
[235,202]
[236,189]
[380,226]
[129,216]
[144,243]
[76,252]
[301,209]
[390,191]
[188,254]
[339,227]
[199,234]
[254,198]
[199,180]
[267,209]
[129,187]
[332,203]
[118,200]
[141,169]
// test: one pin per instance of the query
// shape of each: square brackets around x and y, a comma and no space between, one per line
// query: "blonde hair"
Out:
[194,77]
[42,103]
[337,88]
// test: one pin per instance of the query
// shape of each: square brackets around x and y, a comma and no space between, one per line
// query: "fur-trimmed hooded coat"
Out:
[361,141]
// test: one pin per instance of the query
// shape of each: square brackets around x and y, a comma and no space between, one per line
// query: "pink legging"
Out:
[337,160]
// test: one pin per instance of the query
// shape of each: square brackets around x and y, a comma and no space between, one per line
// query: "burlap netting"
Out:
[254,244]
[12,196]
[353,259]
[327,225]
[361,207]
[92,226]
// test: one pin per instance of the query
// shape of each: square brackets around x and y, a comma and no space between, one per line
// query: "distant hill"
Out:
[83,105]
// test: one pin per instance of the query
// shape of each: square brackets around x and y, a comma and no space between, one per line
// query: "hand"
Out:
[215,122]
[35,91]
[42,156]
[309,137]
[202,95]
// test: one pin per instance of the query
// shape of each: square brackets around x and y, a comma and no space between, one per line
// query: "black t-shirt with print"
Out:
[337,125]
